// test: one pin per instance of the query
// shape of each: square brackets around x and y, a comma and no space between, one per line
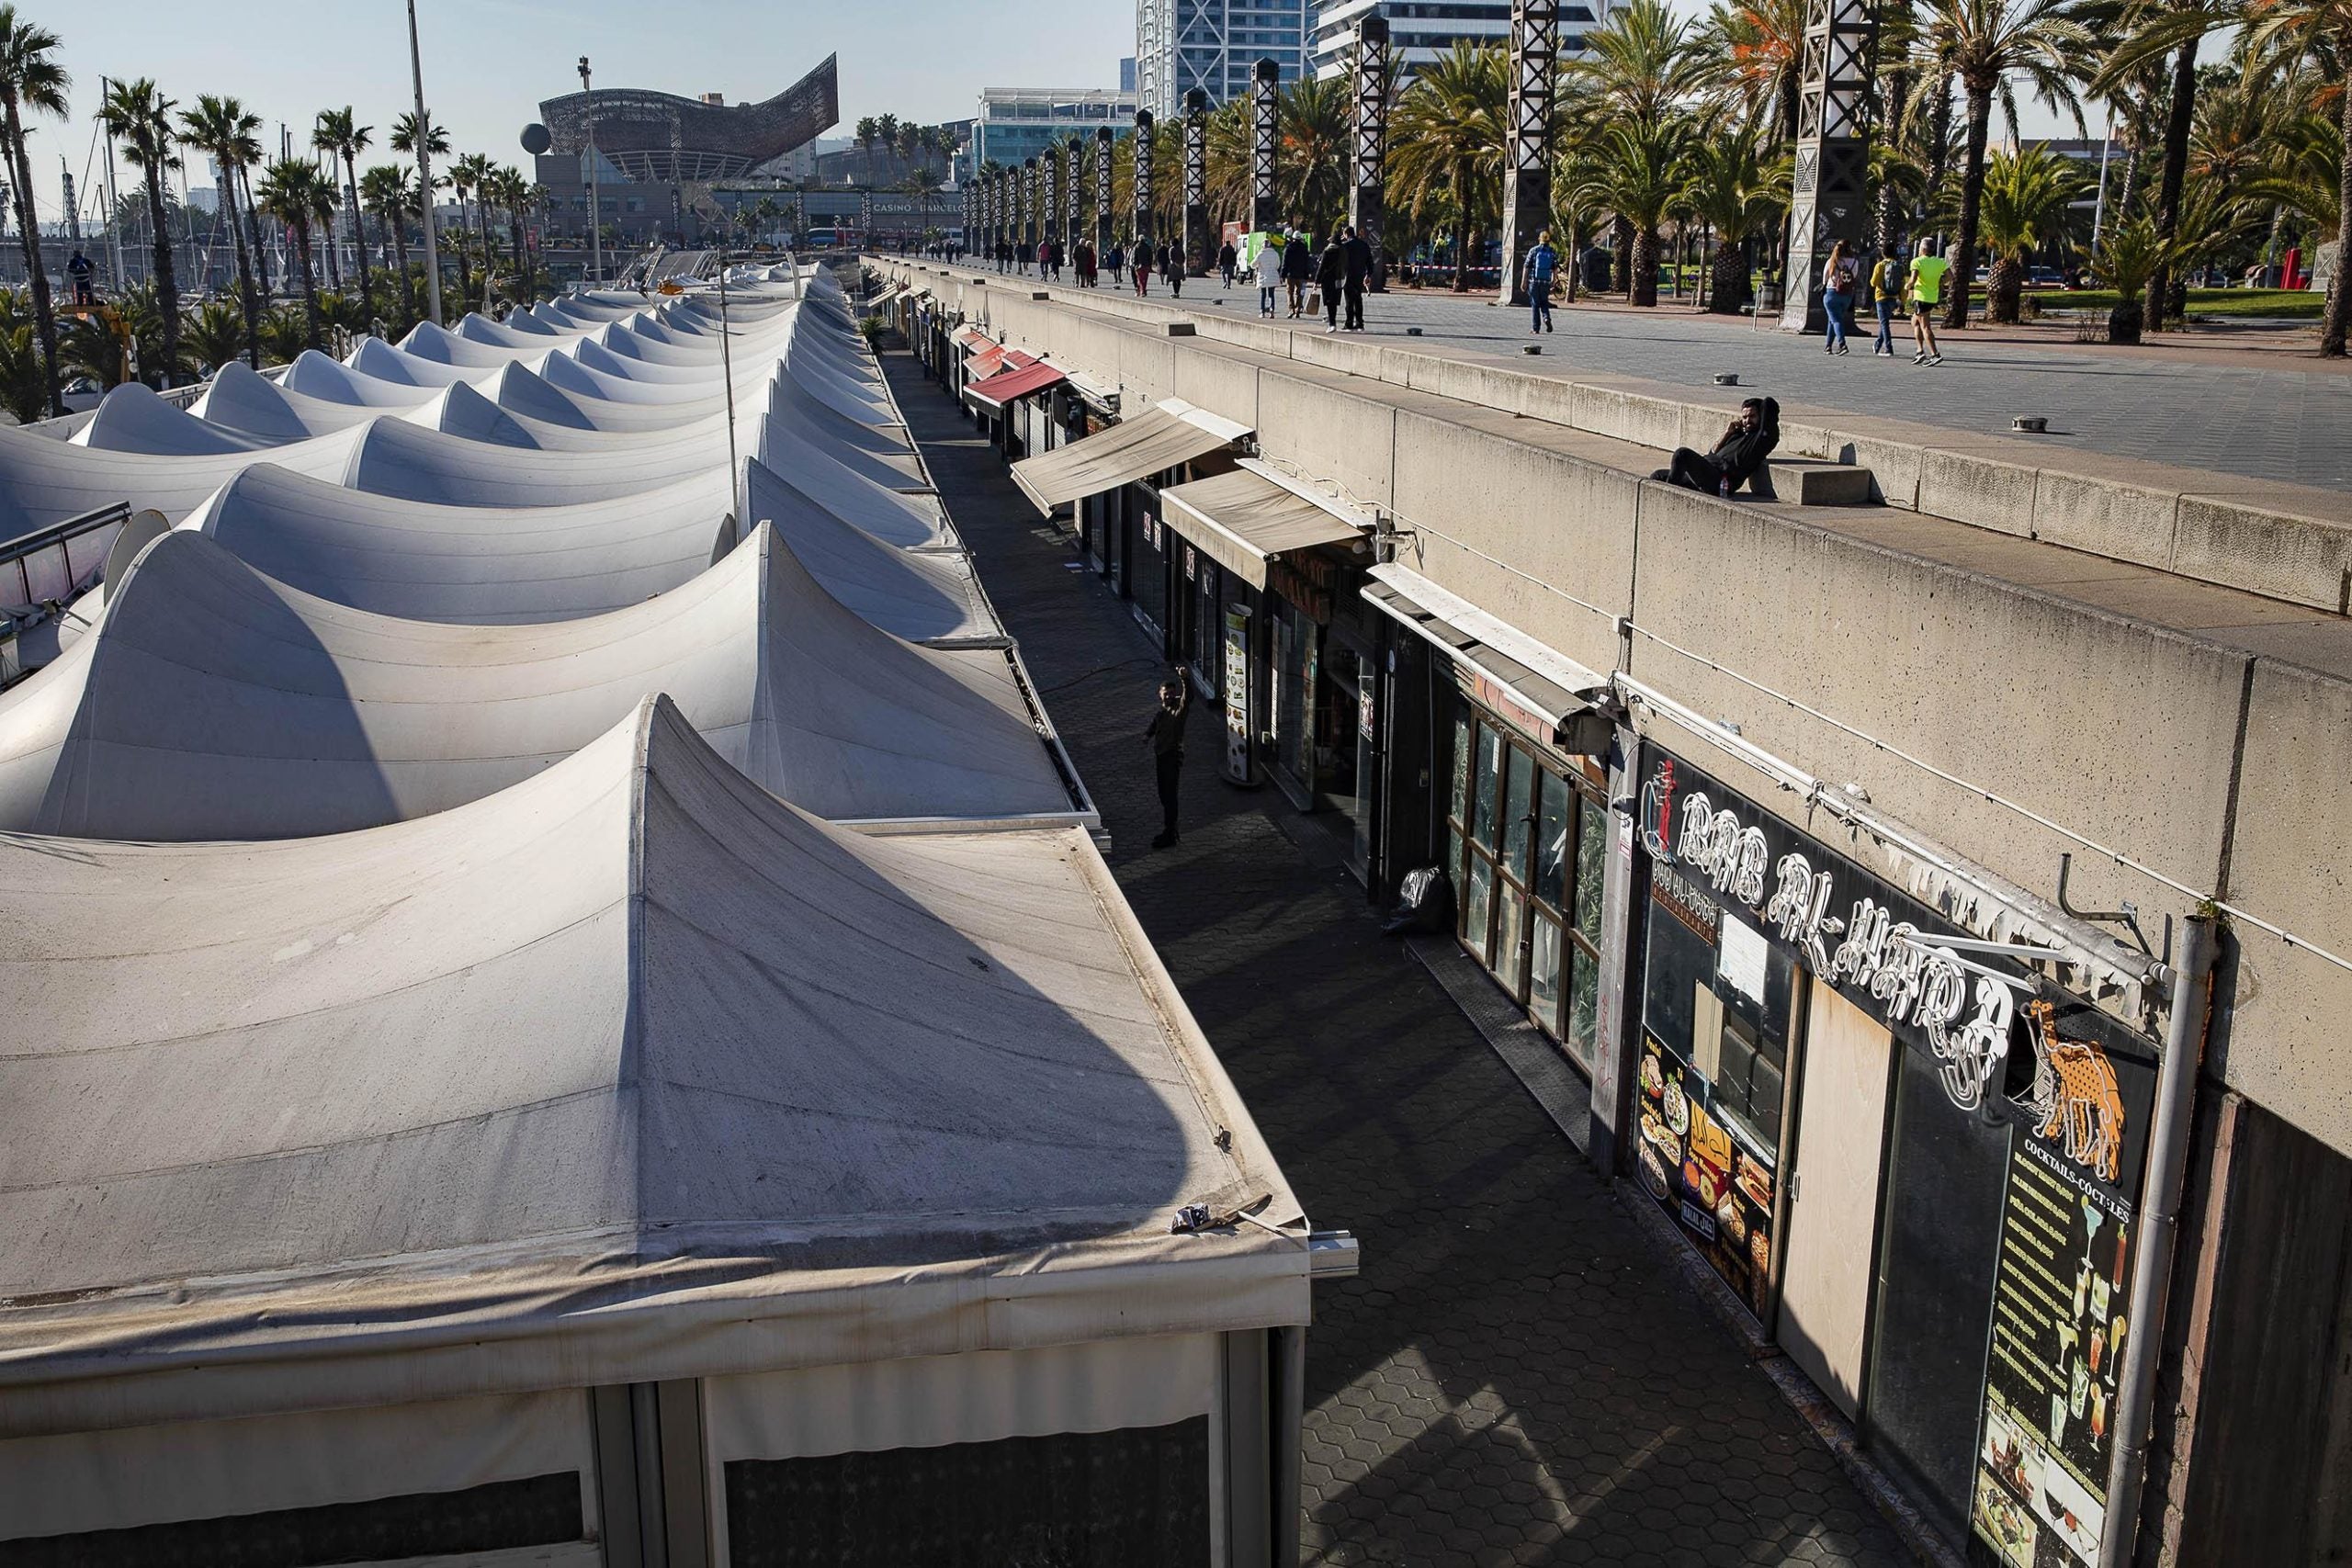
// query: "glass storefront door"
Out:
[1527,843]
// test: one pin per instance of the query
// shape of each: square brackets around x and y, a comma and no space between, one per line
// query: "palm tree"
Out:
[1759,45]
[1727,187]
[295,194]
[21,389]
[1448,136]
[214,333]
[1640,64]
[225,132]
[868,127]
[340,133]
[885,136]
[31,82]
[471,173]
[140,118]
[388,194]
[1636,172]
[2320,31]
[1986,43]
[513,192]
[1315,133]
[2028,201]
[433,139]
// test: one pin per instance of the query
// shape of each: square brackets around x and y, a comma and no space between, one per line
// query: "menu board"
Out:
[1713,1181]
[1236,694]
[2060,1298]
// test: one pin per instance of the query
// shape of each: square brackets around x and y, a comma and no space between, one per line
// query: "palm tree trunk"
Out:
[400,257]
[28,230]
[481,216]
[1622,233]
[167,283]
[309,284]
[2177,127]
[2339,299]
[1972,198]
[359,232]
[1727,279]
[246,300]
[1572,258]
[522,260]
[253,225]
[1645,261]
[1461,228]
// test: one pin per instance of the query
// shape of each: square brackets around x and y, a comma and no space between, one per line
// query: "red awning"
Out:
[1002,388]
[1016,360]
[984,362]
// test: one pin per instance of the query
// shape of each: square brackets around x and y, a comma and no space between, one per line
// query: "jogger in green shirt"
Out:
[1927,290]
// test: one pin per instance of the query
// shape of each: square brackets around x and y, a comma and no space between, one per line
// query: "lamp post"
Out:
[595,203]
[1367,195]
[1527,184]
[1103,141]
[424,173]
[1196,184]
[1265,90]
[1143,178]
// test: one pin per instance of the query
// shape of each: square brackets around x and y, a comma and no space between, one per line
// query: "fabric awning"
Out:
[971,337]
[1244,520]
[1520,677]
[985,362]
[1130,450]
[1006,385]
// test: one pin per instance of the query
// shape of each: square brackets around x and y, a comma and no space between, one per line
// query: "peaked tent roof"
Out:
[910,522]
[472,564]
[665,1046]
[212,702]
[926,596]
[132,418]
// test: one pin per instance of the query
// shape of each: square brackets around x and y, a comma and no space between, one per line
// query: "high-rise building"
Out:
[1017,123]
[1421,30]
[1213,45]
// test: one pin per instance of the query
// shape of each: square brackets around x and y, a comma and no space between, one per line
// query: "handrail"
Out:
[53,534]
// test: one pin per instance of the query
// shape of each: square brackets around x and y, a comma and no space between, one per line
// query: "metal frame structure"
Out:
[1103,143]
[1265,100]
[1830,196]
[1143,177]
[1049,173]
[1367,197]
[1074,160]
[1198,246]
[1527,183]
[1029,214]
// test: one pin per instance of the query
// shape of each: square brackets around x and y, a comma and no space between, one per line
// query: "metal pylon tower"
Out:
[1527,182]
[1074,163]
[1103,141]
[1367,191]
[1198,245]
[1265,103]
[1143,177]
[1830,196]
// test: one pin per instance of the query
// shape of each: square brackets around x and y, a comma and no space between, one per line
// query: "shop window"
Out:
[1525,842]
[1946,1175]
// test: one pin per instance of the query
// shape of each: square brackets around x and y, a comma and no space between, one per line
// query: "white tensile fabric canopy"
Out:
[629,1071]
[927,596]
[212,703]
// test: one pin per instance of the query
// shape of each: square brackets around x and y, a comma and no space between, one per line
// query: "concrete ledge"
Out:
[1806,482]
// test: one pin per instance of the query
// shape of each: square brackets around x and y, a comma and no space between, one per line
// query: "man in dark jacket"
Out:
[1172,268]
[1358,273]
[1166,735]
[1226,260]
[1298,268]
[1745,444]
[1330,276]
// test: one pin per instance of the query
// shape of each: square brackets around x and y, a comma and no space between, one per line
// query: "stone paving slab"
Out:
[1518,1376]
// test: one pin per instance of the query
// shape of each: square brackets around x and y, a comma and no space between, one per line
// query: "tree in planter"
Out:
[2028,203]
[2133,254]
[1727,187]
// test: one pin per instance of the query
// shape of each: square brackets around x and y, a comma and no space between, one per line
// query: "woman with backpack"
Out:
[1836,290]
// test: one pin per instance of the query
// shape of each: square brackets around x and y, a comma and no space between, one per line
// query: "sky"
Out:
[489,62]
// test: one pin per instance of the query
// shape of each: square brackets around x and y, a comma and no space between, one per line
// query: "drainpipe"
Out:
[2159,1235]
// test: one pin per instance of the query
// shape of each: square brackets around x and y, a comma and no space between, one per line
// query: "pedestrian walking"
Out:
[1745,444]
[1056,255]
[1118,262]
[1330,273]
[1927,289]
[1165,735]
[1141,265]
[1226,260]
[1082,260]
[1172,268]
[1268,270]
[1836,281]
[1543,267]
[1298,268]
[1886,278]
[1357,254]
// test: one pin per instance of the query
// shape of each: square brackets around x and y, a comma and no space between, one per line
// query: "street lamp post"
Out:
[424,173]
[595,203]
[1197,247]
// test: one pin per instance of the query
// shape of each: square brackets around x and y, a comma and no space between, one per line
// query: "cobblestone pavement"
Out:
[1514,1379]
[2267,422]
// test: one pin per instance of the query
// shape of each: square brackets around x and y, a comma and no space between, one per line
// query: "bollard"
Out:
[1726,378]
[2030,425]
[1412,331]
[1530,348]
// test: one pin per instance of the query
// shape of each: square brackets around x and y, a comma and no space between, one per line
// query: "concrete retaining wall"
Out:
[2202,758]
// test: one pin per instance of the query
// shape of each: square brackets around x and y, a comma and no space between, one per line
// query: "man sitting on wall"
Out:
[1745,444]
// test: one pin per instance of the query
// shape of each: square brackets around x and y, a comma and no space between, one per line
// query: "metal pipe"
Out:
[424,173]
[2168,1147]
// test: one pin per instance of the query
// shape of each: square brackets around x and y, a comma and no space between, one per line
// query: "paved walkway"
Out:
[1516,1378]
[2219,410]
